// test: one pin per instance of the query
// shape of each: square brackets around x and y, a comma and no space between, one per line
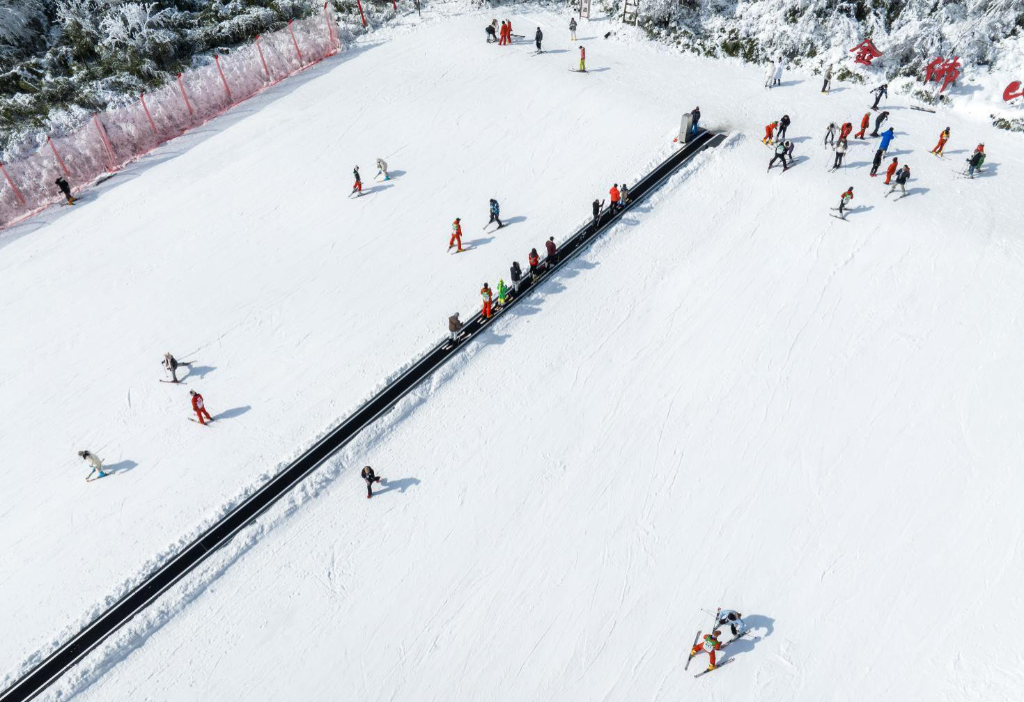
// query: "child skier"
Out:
[382,169]
[370,477]
[943,138]
[485,293]
[94,461]
[780,155]
[583,60]
[830,134]
[456,235]
[891,169]
[864,122]
[502,292]
[199,407]
[844,201]
[65,189]
[357,187]
[769,131]
[710,643]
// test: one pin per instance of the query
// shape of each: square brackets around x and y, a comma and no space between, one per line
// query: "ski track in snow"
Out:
[809,420]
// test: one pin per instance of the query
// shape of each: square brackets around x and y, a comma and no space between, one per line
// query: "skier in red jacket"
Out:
[710,643]
[615,197]
[199,407]
[583,60]
[845,130]
[487,295]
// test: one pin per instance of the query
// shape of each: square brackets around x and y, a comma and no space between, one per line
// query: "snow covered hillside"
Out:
[734,399]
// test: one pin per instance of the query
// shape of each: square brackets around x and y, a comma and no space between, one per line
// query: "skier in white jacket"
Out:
[778,73]
[769,75]
[94,461]
[382,167]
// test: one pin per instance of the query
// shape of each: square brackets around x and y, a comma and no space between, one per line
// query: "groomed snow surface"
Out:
[732,399]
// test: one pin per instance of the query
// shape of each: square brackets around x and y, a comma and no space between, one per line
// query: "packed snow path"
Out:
[814,421]
[220,534]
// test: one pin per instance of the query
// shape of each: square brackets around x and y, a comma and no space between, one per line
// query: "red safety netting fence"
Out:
[115,137]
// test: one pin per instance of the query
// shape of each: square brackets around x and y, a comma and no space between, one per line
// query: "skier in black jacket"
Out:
[876,162]
[65,189]
[878,92]
[878,122]
[597,207]
[517,275]
[538,37]
[780,134]
[370,477]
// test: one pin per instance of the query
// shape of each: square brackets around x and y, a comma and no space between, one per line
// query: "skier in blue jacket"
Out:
[495,209]
[887,136]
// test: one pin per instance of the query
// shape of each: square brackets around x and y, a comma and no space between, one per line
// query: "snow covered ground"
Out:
[733,399]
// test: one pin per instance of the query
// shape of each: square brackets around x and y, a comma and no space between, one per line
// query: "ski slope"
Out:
[732,400]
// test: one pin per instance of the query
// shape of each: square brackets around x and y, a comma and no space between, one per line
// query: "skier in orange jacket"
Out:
[864,124]
[943,138]
[769,131]
[487,295]
[456,235]
[891,169]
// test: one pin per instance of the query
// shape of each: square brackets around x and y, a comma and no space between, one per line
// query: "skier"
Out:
[769,130]
[778,73]
[552,251]
[976,160]
[382,168]
[357,187]
[456,235]
[491,34]
[710,643]
[65,189]
[502,292]
[370,477]
[94,461]
[694,118]
[538,37]
[878,122]
[583,60]
[495,209]
[845,130]
[572,29]
[840,153]
[780,134]
[876,162]
[597,207]
[887,137]
[943,138]
[844,200]
[864,122]
[780,155]
[830,134]
[878,92]
[789,151]
[534,261]
[769,75]
[508,31]
[826,84]
[517,274]
[486,294]
[902,176]
[501,34]
[199,407]
[733,619]
[624,195]
[171,365]
[454,326]
[891,169]
[614,196]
